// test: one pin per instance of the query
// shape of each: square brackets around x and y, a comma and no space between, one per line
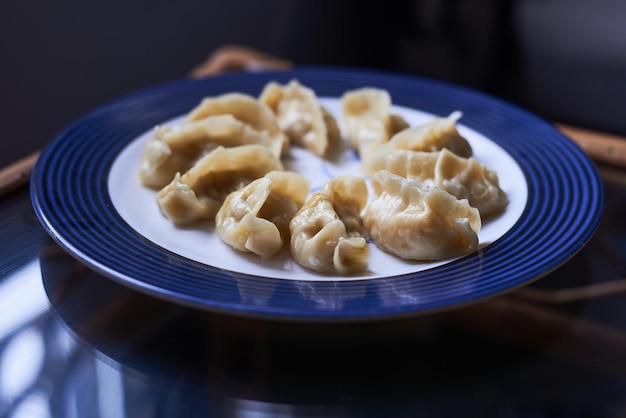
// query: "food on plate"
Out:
[175,149]
[300,116]
[256,217]
[198,194]
[224,163]
[464,178]
[416,221]
[326,233]
[437,134]
[366,114]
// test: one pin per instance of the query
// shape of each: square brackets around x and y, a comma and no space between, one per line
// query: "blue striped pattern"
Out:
[70,196]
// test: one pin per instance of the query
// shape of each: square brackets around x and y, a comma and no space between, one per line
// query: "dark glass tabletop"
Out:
[76,344]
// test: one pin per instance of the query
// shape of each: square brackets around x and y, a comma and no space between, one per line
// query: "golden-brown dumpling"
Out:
[437,134]
[256,217]
[173,149]
[326,232]
[300,116]
[242,107]
[198,194]
[366,113]
[465,178]
[416,221]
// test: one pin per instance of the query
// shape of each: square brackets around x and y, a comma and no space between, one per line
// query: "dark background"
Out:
[562,59]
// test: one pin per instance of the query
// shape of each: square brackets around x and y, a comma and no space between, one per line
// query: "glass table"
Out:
[76,344]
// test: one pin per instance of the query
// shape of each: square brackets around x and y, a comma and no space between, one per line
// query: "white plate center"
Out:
[137,205]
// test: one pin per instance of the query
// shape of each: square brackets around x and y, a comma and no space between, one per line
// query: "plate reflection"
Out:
[152,355]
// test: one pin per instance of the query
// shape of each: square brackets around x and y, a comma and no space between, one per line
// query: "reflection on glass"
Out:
[34,405]
[21,362]
[328,295]
[251,292]
[397,291]
[21,286]
[110,390]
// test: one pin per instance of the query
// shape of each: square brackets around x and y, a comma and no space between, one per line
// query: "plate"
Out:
[86,192]
[137,206]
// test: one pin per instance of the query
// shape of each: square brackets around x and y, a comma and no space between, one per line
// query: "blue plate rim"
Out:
[285,303]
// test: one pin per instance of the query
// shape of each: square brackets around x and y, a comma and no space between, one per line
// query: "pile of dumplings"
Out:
[223,164]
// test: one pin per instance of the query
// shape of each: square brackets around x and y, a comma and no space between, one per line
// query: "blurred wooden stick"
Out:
[600,146]
[233,58]
[17,174]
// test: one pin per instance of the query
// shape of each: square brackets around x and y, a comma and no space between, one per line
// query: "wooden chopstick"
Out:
[602,147]
[17,174]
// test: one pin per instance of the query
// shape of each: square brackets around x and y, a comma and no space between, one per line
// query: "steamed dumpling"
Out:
[412,164]
[435,135]
[173,149]
[418,222]
[198,194]
[242,107]
[366,113]
[300,116]
[256,217]
[465,178]
[326,233]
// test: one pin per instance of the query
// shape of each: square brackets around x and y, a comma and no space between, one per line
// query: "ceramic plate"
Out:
[86,192]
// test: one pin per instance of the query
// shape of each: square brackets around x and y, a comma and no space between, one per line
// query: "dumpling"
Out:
[244,108]
[367,119]
[416,221]
[173,149]
[256,217]
[412,164]
[198,194]
[435,135]
[465,178]
[300,116]
[326,233]
[349,196]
